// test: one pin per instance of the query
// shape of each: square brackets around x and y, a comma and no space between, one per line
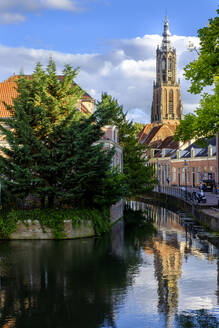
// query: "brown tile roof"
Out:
[154,134]
[8,92]
[170,143]
[145,131]
[151,135]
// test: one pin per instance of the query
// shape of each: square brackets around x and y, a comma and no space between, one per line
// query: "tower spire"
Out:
[166,105]
[166,35]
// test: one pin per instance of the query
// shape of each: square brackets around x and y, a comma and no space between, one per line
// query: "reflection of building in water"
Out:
[217,292]
[167,264]
[117,239]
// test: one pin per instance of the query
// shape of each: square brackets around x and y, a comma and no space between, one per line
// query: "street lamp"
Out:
[185,164]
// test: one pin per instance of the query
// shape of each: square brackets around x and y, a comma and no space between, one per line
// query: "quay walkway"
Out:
[212,199]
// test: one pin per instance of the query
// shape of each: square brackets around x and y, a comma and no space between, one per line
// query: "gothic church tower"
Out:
[166,105]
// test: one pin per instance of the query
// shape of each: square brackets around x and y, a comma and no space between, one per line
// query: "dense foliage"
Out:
[139,176]
[53,150]
[203,72]
[53,219]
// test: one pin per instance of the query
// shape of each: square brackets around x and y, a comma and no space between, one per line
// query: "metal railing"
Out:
[176,192]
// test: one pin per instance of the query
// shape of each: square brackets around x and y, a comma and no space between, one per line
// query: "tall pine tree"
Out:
[50,150]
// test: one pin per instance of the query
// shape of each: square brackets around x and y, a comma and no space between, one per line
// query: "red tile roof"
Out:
[8,92]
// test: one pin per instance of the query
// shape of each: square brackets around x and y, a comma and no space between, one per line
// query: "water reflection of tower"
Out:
[167,263]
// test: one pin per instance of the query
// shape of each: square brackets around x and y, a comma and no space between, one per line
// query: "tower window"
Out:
[169,64]
[163,64]
[171,102]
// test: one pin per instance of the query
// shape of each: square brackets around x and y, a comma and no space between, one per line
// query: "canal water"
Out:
[129,279]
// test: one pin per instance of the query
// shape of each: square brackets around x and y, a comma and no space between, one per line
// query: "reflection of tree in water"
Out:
[196,319]
[65,283]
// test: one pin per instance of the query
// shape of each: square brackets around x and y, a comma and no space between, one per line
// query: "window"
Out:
[178,176]
[188,175]
[174,174]
[171,102]
[198,175]
[183,175]
[163,64]
[168,167]
[169,64]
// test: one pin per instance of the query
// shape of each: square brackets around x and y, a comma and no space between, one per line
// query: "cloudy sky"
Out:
[112,41]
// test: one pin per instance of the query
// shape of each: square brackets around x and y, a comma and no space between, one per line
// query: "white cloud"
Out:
[59,4]
[11,18]
[15,11]
[126,71]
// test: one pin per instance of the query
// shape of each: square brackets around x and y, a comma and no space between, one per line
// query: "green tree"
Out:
[139,177]
[138,127]
[203,72]
[51,151]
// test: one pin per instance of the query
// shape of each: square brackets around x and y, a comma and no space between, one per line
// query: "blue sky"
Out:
[113,42]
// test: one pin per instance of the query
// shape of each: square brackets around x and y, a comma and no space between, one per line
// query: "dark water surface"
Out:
[127,280]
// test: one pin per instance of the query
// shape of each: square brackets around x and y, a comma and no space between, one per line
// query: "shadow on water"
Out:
[133,277]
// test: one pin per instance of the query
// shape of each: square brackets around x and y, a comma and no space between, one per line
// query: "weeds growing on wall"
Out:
[54,219]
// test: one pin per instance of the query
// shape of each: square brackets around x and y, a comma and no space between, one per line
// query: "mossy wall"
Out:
[33,230]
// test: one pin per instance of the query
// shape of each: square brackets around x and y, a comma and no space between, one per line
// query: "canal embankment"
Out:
[59,224]
[206,214]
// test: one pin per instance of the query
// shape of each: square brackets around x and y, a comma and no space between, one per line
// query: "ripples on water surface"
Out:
[126,280]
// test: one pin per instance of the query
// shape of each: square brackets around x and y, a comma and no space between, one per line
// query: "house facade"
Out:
[187,167]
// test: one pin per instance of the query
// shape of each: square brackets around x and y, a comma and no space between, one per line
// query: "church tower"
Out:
[166,105]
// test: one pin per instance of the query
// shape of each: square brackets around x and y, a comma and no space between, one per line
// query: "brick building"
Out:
[193,164]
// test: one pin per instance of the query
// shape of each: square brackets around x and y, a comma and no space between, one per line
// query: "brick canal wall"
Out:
[204,214]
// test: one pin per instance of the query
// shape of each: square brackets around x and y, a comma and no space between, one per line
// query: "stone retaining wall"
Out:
[33,230]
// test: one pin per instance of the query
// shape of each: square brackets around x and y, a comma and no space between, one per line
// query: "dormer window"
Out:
[210,151]
[178,154]
[152,153]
